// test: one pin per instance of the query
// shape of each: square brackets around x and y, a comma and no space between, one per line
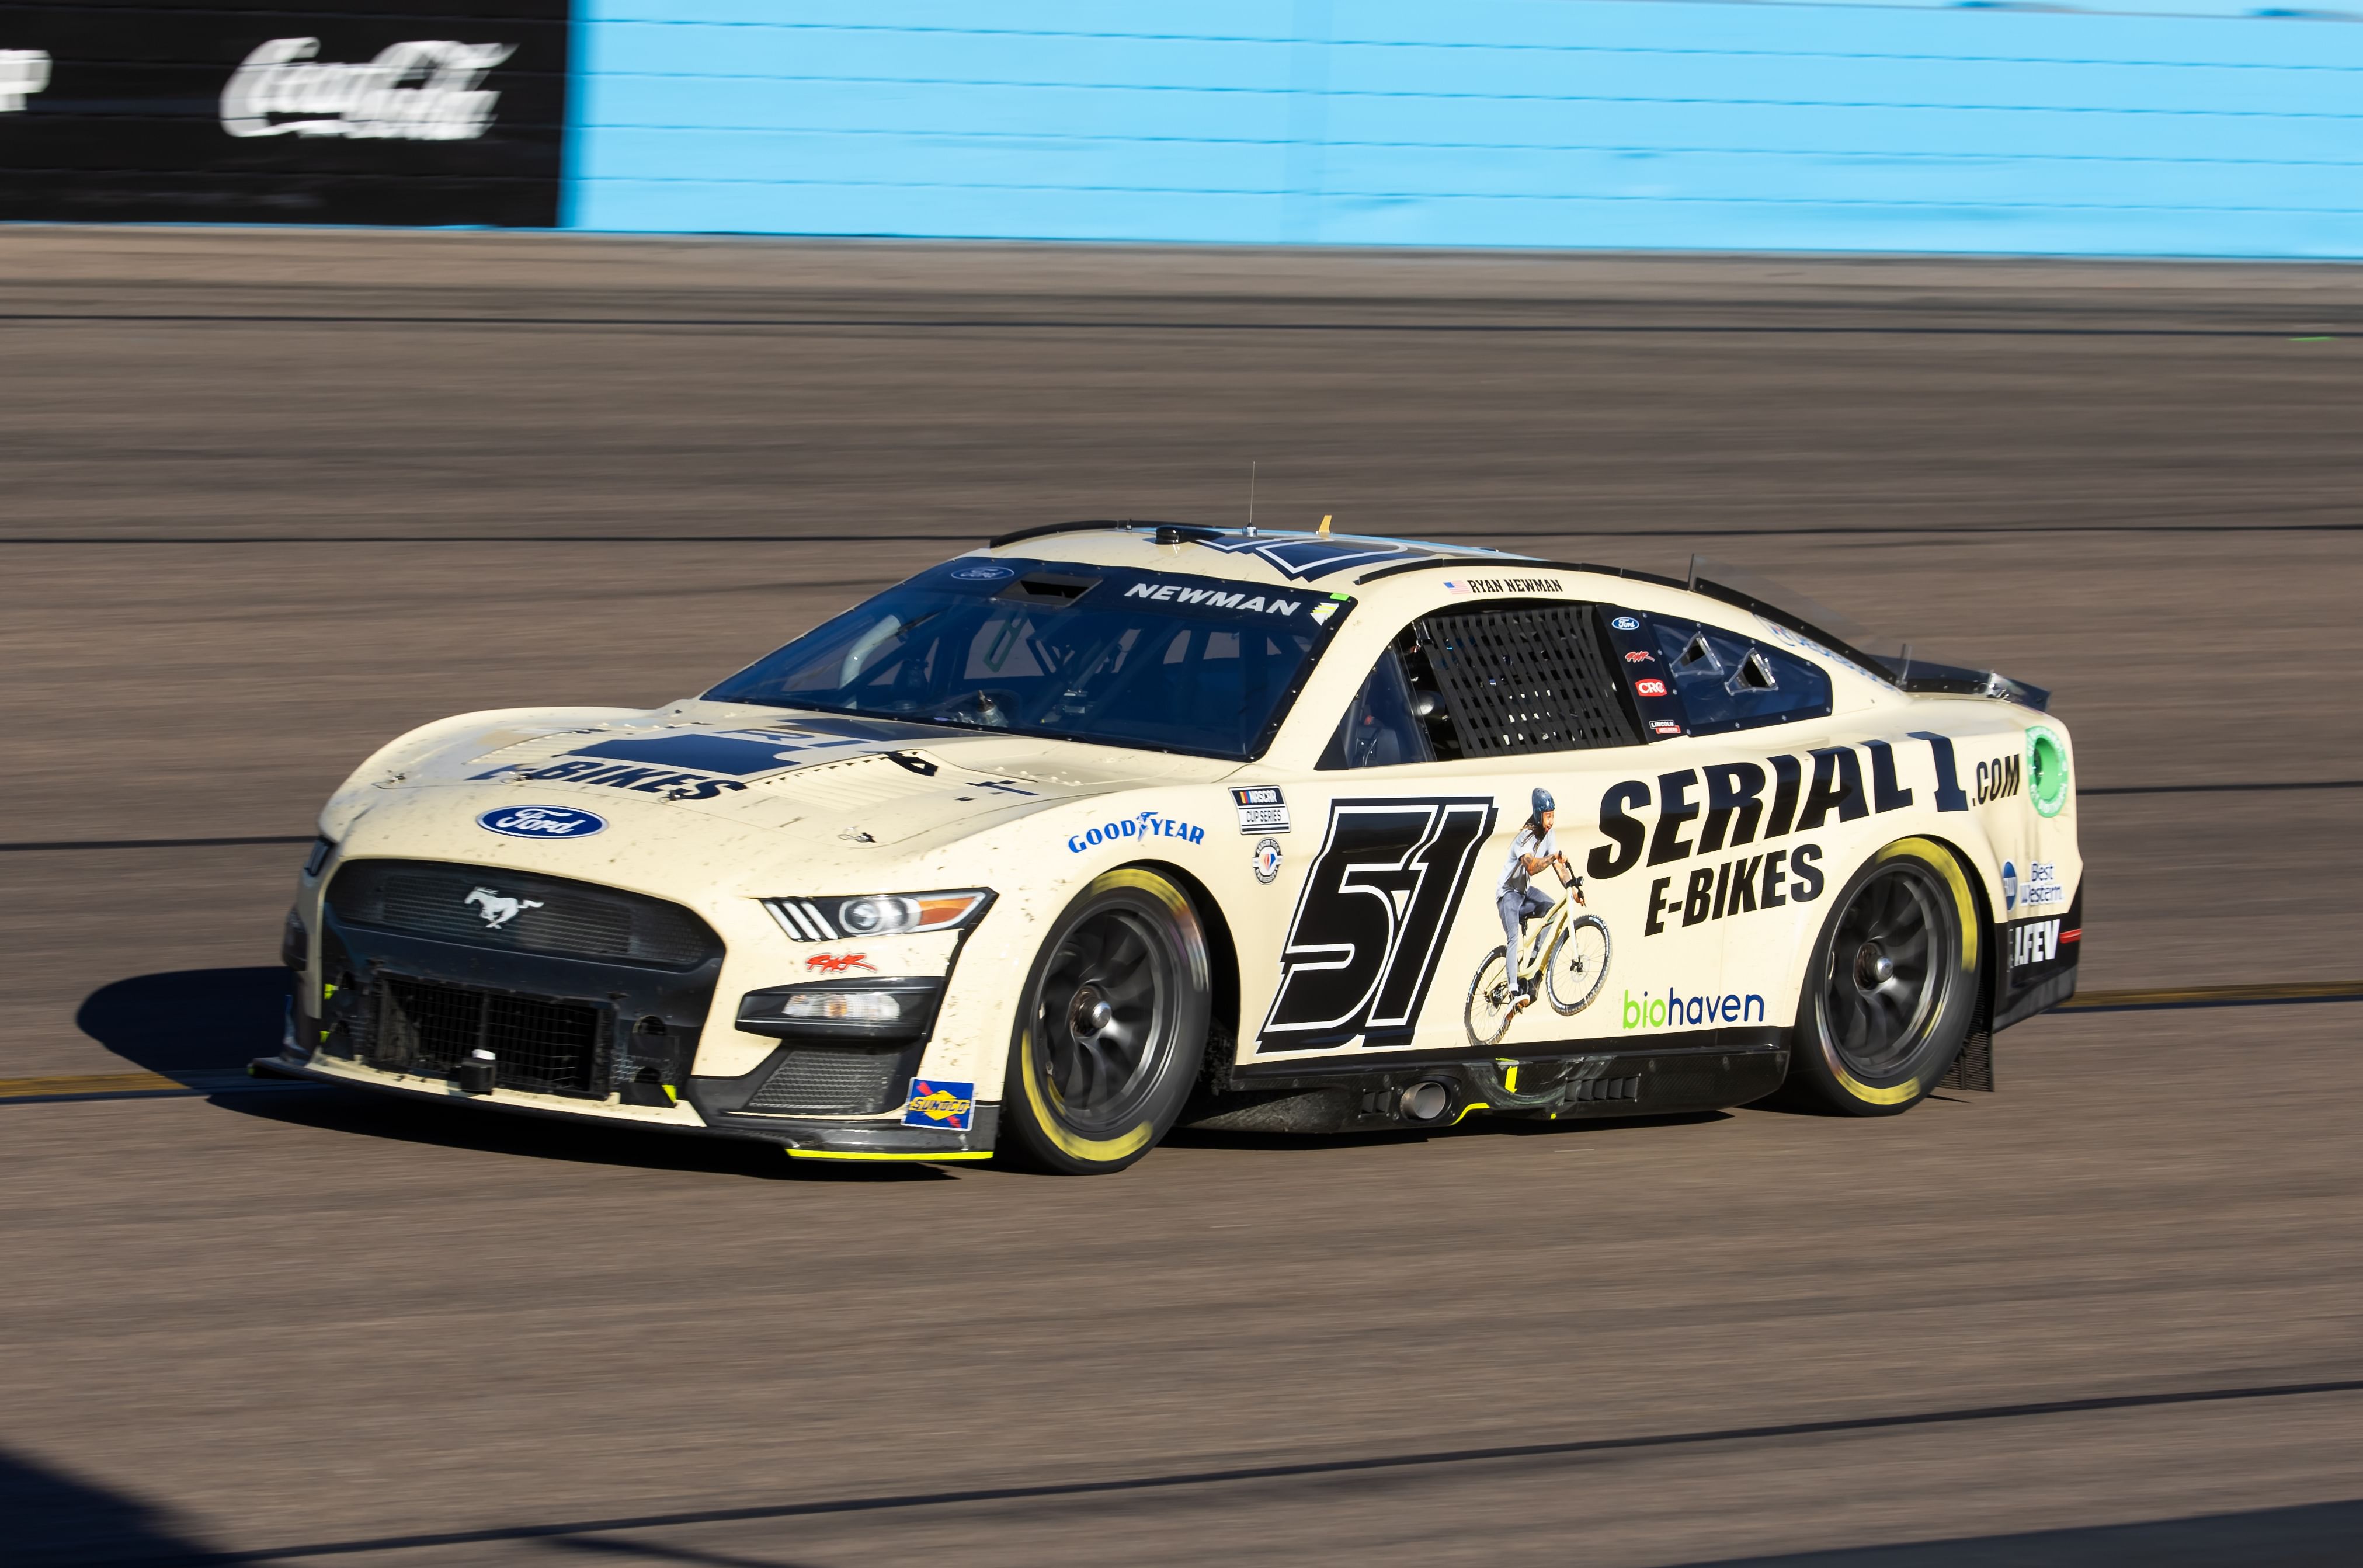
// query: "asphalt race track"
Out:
[271,499]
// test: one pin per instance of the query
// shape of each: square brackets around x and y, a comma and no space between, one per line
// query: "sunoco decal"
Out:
[939,1102]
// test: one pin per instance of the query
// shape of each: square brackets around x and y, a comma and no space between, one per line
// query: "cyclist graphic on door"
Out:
[1564,956]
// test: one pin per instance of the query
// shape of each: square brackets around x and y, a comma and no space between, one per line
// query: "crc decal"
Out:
[939,1102]
[1676,1011]
[1144,825]
[1370,923]
[1740,885]
[1652,687]
[1262,809]
[541,822]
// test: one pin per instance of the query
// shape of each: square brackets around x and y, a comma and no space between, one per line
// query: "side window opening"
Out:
[1516,678]
[1384,724]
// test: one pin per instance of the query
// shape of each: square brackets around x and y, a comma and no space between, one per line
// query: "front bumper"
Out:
[818,1138]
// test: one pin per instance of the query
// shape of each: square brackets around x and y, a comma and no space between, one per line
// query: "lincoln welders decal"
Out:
[1370,923]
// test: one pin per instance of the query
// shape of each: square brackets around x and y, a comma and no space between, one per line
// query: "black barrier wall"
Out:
[319,111]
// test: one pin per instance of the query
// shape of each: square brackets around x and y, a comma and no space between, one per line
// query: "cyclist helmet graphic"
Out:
[1543,801]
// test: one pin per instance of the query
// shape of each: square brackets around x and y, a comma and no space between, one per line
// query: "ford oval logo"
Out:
[541,822]
[1626,623]
[983,573]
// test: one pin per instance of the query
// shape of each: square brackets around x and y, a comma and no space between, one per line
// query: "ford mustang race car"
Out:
[1107,828]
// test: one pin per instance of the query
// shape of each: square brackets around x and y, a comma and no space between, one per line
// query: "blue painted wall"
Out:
[1573,123]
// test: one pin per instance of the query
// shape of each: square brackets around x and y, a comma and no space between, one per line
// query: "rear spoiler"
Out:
[1899,670]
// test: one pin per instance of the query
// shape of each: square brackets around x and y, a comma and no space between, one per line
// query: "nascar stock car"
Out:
[1106,828]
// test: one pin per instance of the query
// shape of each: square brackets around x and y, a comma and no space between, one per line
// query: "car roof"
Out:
[1269,557]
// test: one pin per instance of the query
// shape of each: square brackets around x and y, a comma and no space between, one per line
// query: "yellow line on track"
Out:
[2200,995]
[210,1081]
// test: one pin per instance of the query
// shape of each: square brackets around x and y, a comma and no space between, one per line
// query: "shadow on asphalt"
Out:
[190,1018]
[2318,1535]
[53,1520]
[360,1113]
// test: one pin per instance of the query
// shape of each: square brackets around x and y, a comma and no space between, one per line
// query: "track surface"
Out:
[275,497]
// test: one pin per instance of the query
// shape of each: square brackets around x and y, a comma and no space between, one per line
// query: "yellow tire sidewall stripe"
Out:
[1941,860]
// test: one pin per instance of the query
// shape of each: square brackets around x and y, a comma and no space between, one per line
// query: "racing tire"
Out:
[1486,1014]
[1578,965]
[1110,1029]
[1890,988]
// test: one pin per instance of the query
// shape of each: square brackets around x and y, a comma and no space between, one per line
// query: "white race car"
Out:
[1111,827]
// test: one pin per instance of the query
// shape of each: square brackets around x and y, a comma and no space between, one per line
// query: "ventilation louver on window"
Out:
[1525,678]
[1754,674]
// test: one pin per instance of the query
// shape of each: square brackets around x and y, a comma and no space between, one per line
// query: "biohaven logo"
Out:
[1674,1010]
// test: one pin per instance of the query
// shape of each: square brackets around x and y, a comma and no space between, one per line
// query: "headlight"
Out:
[843,1006]
[883,1010]
[877,913]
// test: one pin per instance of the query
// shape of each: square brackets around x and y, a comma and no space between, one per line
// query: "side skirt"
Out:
[1667,1079]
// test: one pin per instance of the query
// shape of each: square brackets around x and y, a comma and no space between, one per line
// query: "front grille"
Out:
[831,1081]
[520,912]
[550,1048]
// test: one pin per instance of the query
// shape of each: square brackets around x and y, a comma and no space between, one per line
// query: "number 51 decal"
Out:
[1372,921]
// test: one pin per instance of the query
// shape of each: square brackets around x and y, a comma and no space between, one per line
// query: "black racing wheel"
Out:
[1111,1029]
[1892,985]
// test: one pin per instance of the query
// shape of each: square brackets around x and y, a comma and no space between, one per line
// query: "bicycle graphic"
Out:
[1565,961]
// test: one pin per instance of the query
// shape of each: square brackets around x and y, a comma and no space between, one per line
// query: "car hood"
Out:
[804,775]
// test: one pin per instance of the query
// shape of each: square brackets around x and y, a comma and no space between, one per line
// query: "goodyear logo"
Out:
[939,1102]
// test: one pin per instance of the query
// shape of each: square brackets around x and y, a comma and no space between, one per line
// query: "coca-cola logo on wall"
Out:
[426,90]
[242,111]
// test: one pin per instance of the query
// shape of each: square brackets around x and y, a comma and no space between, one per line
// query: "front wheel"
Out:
[1110,1030]
[1490,1008]
[1892,985]
[1578,965]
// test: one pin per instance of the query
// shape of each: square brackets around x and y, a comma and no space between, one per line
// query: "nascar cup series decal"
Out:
[1262,809]
[541,822]
[939,1102]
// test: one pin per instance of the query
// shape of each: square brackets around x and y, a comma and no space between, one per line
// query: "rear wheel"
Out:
[1490,1008]
[1110,1030]
[1891,986]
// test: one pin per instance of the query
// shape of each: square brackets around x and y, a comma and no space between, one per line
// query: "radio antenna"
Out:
[1251,468]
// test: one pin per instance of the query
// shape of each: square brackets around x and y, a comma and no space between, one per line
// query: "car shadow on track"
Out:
[56,1519]
[218,1019]
[188,1019]
[2323,1534]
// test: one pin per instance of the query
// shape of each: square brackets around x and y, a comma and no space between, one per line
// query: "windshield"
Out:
[1097,653]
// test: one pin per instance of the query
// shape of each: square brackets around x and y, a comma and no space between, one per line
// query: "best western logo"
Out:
[1675,1011]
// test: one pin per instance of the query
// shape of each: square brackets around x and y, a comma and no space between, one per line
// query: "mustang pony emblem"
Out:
[499,908]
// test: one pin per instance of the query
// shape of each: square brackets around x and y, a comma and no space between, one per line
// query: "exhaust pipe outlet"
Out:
[1426,1101]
